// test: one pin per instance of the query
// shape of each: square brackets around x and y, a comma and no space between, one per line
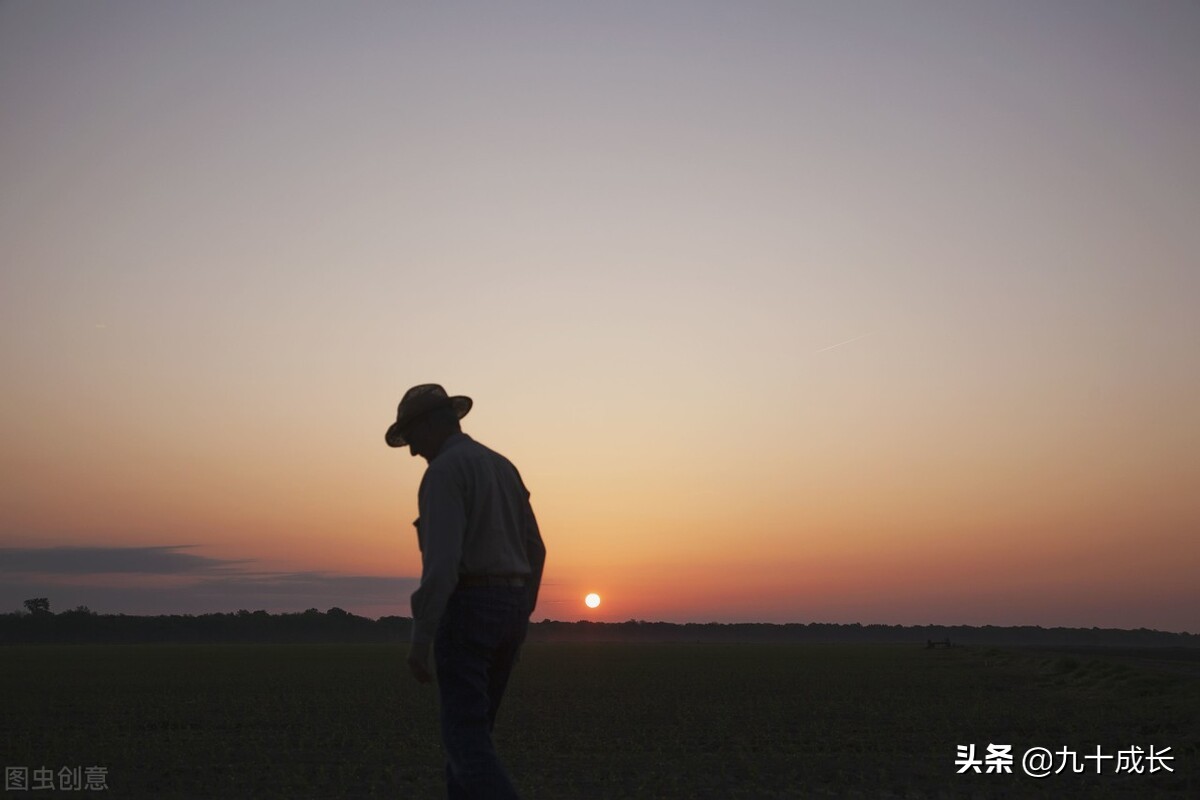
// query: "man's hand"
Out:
[418,661]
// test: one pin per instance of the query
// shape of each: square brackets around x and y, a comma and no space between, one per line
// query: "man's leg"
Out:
[468,638]
[503,663]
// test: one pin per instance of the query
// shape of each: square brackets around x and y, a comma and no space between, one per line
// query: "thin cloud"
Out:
[67,576]
[163,560]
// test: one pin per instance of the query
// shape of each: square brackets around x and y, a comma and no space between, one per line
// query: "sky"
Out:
[877,312]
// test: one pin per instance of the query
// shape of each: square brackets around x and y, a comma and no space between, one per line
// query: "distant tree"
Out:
[38,605]
[337,612]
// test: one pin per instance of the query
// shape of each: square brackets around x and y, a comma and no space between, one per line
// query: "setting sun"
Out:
[592,600]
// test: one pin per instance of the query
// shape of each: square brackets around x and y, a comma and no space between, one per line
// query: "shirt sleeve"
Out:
[535,551]
[442,522]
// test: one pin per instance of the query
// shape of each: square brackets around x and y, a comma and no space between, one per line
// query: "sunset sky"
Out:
[878,312]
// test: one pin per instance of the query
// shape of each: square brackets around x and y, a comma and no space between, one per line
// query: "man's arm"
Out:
[443,521]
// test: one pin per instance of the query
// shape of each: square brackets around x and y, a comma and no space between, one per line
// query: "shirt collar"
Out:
[454,440]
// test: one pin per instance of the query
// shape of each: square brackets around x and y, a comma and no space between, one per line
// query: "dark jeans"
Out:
[475,649]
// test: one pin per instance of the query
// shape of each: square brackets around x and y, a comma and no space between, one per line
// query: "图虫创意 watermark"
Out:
[65,779]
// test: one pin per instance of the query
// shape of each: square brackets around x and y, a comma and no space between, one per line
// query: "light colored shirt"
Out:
[475,519]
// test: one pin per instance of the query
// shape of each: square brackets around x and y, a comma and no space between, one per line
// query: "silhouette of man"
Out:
[482,558]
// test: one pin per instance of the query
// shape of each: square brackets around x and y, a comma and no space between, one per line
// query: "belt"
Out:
[471,581]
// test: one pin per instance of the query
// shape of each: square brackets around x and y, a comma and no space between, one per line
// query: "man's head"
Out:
[426,417]
[428,432]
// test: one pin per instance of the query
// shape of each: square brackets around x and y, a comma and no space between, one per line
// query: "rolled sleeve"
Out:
[443,522]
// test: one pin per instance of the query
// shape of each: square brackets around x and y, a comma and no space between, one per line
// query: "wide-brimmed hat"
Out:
[421,400]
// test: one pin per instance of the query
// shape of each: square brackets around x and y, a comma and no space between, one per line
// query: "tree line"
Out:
[36,623]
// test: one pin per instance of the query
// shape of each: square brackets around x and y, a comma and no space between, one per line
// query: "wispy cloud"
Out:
[163,560]
[170,580]
[839,344]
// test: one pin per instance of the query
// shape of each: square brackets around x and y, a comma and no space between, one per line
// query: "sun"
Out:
[592,600]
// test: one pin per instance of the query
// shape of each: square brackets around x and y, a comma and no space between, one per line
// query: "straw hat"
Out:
[421,400]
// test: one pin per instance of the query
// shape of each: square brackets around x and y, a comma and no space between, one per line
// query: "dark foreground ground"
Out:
[599,721]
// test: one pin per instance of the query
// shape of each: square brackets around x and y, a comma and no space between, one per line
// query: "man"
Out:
[482,559]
